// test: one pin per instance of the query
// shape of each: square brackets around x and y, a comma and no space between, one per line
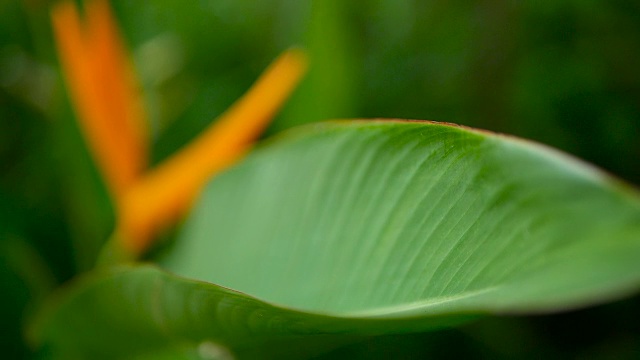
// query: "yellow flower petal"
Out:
[167,192]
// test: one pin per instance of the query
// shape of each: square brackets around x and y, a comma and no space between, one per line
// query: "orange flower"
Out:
[108,104]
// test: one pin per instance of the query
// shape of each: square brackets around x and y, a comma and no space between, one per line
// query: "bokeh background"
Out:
[562,72]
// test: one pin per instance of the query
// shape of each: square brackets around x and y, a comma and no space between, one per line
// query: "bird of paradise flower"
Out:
[107,101]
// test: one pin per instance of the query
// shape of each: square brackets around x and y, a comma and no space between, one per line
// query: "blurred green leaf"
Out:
[343,230]
[329,91]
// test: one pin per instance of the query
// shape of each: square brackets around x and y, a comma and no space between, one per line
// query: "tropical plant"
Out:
[323,236]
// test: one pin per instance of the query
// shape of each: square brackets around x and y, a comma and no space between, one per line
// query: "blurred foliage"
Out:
[560,72]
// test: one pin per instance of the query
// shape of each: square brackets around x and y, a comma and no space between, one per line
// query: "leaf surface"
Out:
[346,229]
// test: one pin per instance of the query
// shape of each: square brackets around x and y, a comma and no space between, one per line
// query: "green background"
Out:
[564,73]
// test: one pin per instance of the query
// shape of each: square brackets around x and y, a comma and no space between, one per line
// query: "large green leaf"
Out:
[339,230]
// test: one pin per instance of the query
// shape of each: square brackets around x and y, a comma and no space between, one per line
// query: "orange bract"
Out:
[107,101]
[104,92]
[167,191]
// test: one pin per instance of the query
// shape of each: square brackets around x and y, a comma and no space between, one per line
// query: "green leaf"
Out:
[341,230]
[331,88]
